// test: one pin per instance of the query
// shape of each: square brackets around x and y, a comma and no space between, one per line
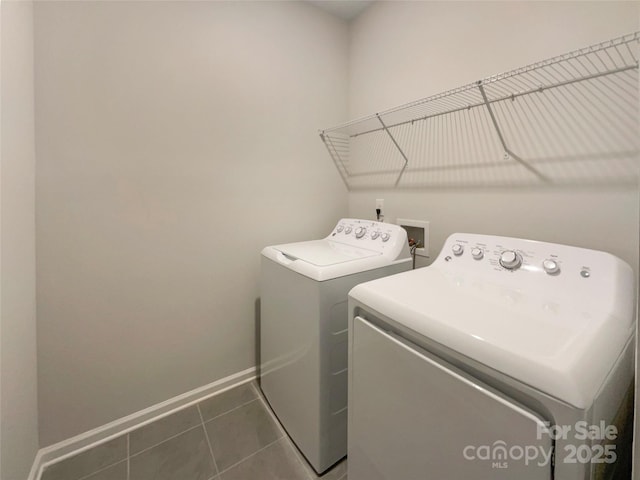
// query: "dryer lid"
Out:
[324,253]
[560,333]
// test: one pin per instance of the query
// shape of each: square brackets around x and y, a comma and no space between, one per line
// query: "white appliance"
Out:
[303,328]
[504,359]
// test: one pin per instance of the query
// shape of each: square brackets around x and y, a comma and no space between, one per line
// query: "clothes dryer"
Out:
[504,359]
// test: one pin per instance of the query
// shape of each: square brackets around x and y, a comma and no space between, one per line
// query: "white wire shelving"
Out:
[572,119]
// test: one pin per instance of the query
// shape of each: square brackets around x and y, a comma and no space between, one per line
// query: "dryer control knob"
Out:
[477,253]
[375,235]
[360,231]
[340,228]
[348,230]
[510,260]
[385,237]
[457,249]
[550,266]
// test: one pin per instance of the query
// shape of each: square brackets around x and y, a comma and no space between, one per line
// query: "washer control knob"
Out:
[477,253]
[385,237]
[550,266]
[340,228]
[348,230]
[360,231]
[510,260]
[375,235]
[457,249]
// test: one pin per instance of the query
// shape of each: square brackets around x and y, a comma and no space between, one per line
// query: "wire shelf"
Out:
[572,119]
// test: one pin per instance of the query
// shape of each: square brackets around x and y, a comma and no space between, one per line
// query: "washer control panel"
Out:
[368,234]
[514,255]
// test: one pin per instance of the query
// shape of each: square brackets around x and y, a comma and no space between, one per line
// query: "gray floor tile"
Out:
[88,462]
[114,472]
[185,457]
[223,402]
[240,433]
[162,429]
[275,462]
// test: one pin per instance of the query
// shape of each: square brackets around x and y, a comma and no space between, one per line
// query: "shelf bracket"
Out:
[508,152]
[335,156]
[406,161]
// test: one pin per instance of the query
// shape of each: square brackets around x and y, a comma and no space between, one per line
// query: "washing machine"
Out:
[303,328]
[504,359]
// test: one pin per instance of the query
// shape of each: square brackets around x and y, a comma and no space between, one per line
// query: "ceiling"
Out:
[345,9]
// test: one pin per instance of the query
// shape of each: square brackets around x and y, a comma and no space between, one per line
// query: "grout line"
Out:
[308,469]
[93,438]
[165,440]
[46,457]
[206,435]
[49,456]
[232,410]
[101,469]
[266,405]
[249,456]
[197,405]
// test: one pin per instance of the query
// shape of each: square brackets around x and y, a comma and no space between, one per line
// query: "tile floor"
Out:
[230,436]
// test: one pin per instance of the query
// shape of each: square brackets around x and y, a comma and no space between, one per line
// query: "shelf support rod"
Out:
[501,138]
[334,153]
[406,161]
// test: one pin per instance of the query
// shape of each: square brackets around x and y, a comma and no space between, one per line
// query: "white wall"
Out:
[174,140]
[18,375]
[402,51]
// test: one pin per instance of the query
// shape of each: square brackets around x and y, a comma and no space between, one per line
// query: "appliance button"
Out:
[348,230]
[375,235]
[477,253]
[457,249]
[340,228]
[360,231]
[510,260]
[550,266]
[385,237]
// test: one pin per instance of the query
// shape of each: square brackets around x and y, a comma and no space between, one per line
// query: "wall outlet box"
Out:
[418,230]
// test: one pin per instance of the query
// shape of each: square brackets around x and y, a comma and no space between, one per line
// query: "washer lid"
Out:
[323,260]
[354,246]
[323,253]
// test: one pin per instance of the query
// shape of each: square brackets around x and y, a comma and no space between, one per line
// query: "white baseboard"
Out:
[74,445]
